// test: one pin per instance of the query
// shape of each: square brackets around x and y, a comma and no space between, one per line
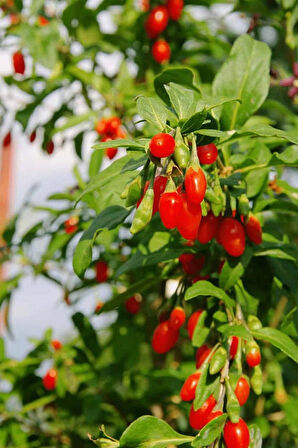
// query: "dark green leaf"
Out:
[210,432]
[180,75]
[87,332]
[205,288]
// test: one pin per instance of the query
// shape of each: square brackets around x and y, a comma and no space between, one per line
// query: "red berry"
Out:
[162,145]
[253,357]
[145,189]
[50,379]
[189,219]
[7,139]
[161,51]
[18,63]
[242,390]
[232,236]
[198,419]
[236,435]
[192,322]
[32,136]
[111,152]
[234,346]
[164,337]
[50,147]
[159,187]
[157,21]
[42,21]
[170,205]
[71,229]
[213,415]
[120,133]
[101,271]
[56,344]
[202,353]
[207,154]
[253,229]
[98,307]
[132,305]
[175,8]
[191,263]
[208,227]
[113,124]
[195,185]
[101,126]
[188,390]
[177,318]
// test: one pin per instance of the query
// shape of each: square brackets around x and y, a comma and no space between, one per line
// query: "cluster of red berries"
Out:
[166,334]
[157,22]
[110,129]
[71,224]
[50,378]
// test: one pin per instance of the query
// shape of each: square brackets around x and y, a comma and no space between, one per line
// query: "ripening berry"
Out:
[191,263]
[164,337]
[18,62]
[157,21]
[110,153]
[56,344]
[192,322]
[202,353]
[42,21]
[207,154]
[50,379]
[133,305]
[188,390]
[32,137]
[253,357]
[101,126]
[236,435]
[198,419]
[234,346]
[7,139]
[253,229]
[50,147]
[177,318]
[162,145]
[175,8]
[231,235]
[101,271]
[161,51]
[242,390]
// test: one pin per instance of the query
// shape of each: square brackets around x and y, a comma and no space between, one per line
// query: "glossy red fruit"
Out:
[192,322]
[208,227]
[170,205]
[207,154]
[253,358]
[232,236]
[70,229]
[253,229]
[177,318]
[56,344]
[161,51]
[242,390]
[162,145]
[101,126]
[191,263]
[175,8]
[195,185]
[236,435]
[50,147]
[159,186]
[146,186]
[202,353]
[213,415]
[234,346]
[7,139]
[132,305]
[188,390]
[101,271]
[189,219]
[157,21]
[50,379]
[32,137]
[164,337]
[198,419]
[113,124]
[18,63]
[110,153]
[42,21]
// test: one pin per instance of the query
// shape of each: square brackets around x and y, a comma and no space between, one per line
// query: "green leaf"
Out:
[123,143]
[200,332]
[180,75]
[193,123]
[109,218]
[265,130]
[210,432]
[95,163]
[205,288]
[150,432]
[153,110]
[288,157]
[255,436]
[235,330]
[87,332]
[256,180]
[245,75]
[74,121]
[279,340]
[183,100]
[39,403]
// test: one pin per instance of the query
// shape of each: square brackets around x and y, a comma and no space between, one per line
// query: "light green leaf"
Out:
[153,110]
[183,100]
[180,75]
[210,432]
[121,143]
[205,288]
[279,340]
[234,330]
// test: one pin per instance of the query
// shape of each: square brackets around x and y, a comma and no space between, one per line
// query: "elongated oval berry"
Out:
[177,318]
[207,154]
[101,126]
[157,21]
[101,271]
[170,205]
[132,305]
[162,145]
[50,147]
[50,379]
[192,322]
[253,356]
[175,8]
[32,137]
[161,51]
[7,139]
[236,435]
[164,337]
[189,219]
[232,236]
[159,186]
[234,346]
[208,227]
[110,153]
[202,353]
[253,229]
[198,419]
[56,344]
[18,62]
[188,390]
[195,185]
[242,390]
